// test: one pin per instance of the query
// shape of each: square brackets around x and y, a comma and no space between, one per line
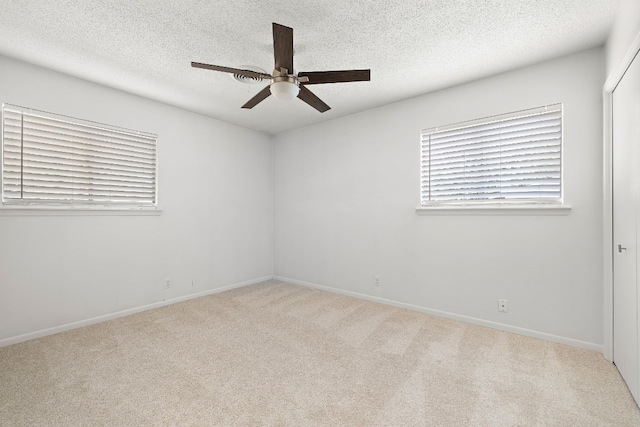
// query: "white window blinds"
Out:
[511,158]
[53,160]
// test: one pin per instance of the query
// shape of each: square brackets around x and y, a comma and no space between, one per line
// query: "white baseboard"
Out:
[462,318]
[73,325]
[467,319]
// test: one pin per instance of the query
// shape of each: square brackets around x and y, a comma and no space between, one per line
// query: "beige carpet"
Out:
[276,354]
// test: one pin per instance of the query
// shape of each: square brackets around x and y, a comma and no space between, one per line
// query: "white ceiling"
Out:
[411,46]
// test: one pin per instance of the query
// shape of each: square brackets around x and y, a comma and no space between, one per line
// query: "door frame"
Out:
[607,215]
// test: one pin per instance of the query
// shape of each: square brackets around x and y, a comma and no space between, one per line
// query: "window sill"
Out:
[494,210]
[75,211]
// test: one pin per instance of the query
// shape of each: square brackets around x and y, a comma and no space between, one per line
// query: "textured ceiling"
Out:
[411,46]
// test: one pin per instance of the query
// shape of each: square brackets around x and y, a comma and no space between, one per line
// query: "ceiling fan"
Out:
[285,84]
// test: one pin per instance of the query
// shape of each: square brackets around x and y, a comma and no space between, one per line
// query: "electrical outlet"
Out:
[502,306]
[167,283]
[376,280]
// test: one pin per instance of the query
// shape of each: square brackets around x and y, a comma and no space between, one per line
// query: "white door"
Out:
[626,205]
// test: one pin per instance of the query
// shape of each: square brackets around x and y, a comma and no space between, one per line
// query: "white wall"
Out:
[344,195]
[215,189]
[346,192]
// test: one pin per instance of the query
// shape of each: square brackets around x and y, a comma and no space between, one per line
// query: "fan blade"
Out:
[247,73]
[319,77]
[283,47]
[307,96]
[261,96]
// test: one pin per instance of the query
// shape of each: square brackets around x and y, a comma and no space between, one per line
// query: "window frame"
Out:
[517,206]
[17,206]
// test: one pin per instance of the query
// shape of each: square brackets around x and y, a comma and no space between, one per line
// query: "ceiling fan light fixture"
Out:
[285,90]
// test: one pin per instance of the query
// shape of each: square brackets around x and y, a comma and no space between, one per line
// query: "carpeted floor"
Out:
[276,354]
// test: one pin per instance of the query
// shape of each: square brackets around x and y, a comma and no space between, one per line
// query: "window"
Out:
[513,158]
[51,160]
